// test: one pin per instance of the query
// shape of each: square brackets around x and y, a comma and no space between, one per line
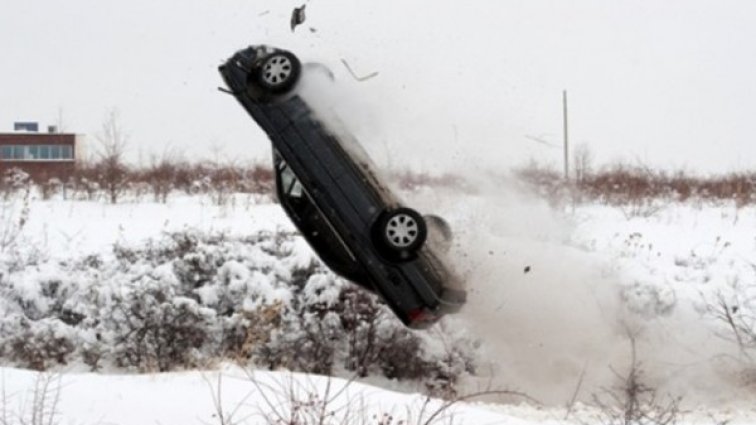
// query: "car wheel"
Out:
[279,72]
[403,231]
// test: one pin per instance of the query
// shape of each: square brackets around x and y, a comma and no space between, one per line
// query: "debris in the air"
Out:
[363,78]
[527,269]
[263,13]
[542,140]
[297,16]
[313,30]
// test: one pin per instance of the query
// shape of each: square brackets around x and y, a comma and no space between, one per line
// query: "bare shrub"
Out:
[545,180]
[108,176]
[110,169]
[634,402]
[359,319]
[637,188]
[292,400]
[736,314]
[50,187]
[85,182]
[41,408]
[222,416]
[161,175]
[642,207]
[259,179]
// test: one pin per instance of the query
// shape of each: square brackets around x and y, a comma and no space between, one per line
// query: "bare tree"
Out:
[112,170]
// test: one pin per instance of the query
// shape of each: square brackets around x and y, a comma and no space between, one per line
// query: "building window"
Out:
[37,153]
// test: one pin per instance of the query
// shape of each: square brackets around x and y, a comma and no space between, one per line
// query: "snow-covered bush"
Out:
[14,180]
[156,330]
[191,299]
[37,344]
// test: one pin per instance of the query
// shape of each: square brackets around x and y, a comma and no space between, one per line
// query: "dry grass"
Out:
[98,181]
[628,185]
[104,180]
[633,187]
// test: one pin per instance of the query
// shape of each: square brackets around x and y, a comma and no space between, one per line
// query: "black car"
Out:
[326,185]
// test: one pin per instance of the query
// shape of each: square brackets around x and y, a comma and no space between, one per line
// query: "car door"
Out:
[315,228]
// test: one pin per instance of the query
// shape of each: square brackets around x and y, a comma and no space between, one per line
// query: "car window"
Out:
[290,184]
[296,190]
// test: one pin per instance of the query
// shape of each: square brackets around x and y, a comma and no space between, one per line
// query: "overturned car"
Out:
[350,218]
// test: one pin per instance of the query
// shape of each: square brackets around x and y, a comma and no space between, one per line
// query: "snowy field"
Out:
[556,296]
[233,395]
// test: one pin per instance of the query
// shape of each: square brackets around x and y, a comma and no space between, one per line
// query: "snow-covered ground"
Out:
[253,397]
[234,395]
[554,295]
[67,229]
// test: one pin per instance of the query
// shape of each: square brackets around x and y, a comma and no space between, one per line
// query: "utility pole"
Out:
[566,138]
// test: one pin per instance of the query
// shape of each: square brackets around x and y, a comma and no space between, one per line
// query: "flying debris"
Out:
[363,78]
[542,140]
[297,16]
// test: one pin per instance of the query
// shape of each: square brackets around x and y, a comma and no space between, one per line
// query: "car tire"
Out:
[279,72]
[402,231]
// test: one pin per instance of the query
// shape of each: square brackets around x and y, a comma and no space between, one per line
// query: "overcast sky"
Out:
[666,83]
